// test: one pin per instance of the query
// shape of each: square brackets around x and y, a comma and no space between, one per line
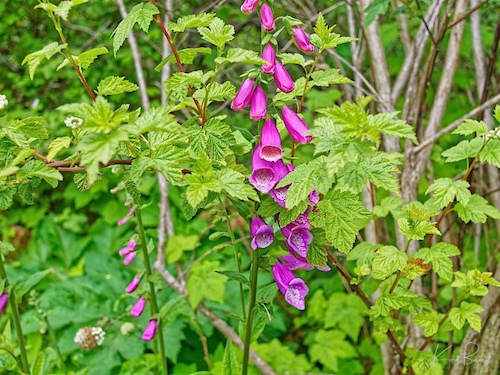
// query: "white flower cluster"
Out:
[3,101]
[89,337]
[73,122]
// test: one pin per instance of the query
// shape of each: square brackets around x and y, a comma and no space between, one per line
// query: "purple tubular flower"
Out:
[263,234]
[137,309]
[295,125]
[133,285]
[293,263]
[150,331]
[279,194]
[263,177]
[302,220]
[267,18]
[249,6]
[293,288]
[122,222]
[244,95]
[129,258]
[4,298]
[258,105]
[301,40]
[313,197]
[298,238]
[268,54]
[282,78]
[271,142]
[128,249]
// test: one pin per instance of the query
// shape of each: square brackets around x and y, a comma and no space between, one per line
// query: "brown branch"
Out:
[70,164]
[463,16]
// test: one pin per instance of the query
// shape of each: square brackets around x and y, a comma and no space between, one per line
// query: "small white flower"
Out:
[89,337]
[3,101]
[73,122]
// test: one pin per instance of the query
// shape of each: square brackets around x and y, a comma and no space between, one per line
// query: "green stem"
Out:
[152,292]
[54,340]
[251,306]
[236,255]
[16,318]
[308,77]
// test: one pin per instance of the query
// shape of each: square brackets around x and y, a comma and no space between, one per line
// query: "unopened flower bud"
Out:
[282,78]
[267,18]
[249,6]
[258,105]
[137,309]
[150,331]
[301,40]
[244,95]
[268,54]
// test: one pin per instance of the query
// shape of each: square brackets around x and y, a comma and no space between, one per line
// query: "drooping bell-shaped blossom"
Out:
[292,262]
[295,125]
[267,18]
[263,234]
[249,6]
[269,54]
[244,95]
[313,197]
[282,78]
[279,194]
[138,307]
[263,177]
[150,331]
[293,288]
[4,298]
[301,40]
[133,285]
[270,141]
[258,105]
[298,238]
[129,248]
[129,258]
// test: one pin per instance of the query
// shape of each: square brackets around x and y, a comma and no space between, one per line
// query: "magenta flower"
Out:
[129,258]
[133,285]
[244,95]
[302,220]
[293,263]
[150,331]
[258,105]
[249,6]
[262,178]
[313,197]
[4,298]
[298,238]
[263,234]
[295,125]
[138,307]
[269,54]
[301,40]
[279,194]
[267,18]
[271,142]
[293,288]
[129,248]
[122,222]
[282,78]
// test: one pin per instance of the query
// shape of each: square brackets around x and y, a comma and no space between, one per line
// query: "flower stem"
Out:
[251,306]
[16,318]
[236,255]
[152,292]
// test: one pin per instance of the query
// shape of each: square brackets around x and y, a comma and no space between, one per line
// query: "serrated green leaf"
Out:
[215,138]
[178,244]
[329,347]
[115,85]
[230,361]
[324,36]
[438,256]
[204,282]
[389,204]
[141,14]
[233,183]
[446,190]
[466,311]
[294,58]
[338,214]
[37,168]
[8,171]
[186,56]
[57,145]
[388,260]
[415,224]
[99,148]
[217,33]
[240,55]
[476,210]
[491,153]
[34,59]
[470,127]
[429,321]
[6,197]
[191,21]
[178,84]
[387,123]
[157,119]
[324,78]
[85,59]
[345,312]
[375,9]
[464,150]
[474,282]
[24,286]
[239,277]
[217,92]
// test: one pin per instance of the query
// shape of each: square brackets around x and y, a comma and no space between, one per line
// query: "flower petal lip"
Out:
[301,40]
[295,125]
[262,233]
[258,105]
[282,78]
[150,331]
[244,95]
[270,141]
[269,54]
[267,18]
[263,177]
[295,293]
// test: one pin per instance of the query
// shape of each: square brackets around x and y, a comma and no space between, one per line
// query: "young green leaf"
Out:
[415,224]
[141,14]
[464,150]
[329,347]
[35,58]
[186,56]
[191,21]
[37,168]
[231,366]
[469,127]
[375,9]
[388,260]
[474,282]
[240,55]
[466,311]
[204,282]
[491,153]
[217,33]
[429,321]
[476,210]
[57,145]
[446,190]
[115,85]
[85,59]
[438,256]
